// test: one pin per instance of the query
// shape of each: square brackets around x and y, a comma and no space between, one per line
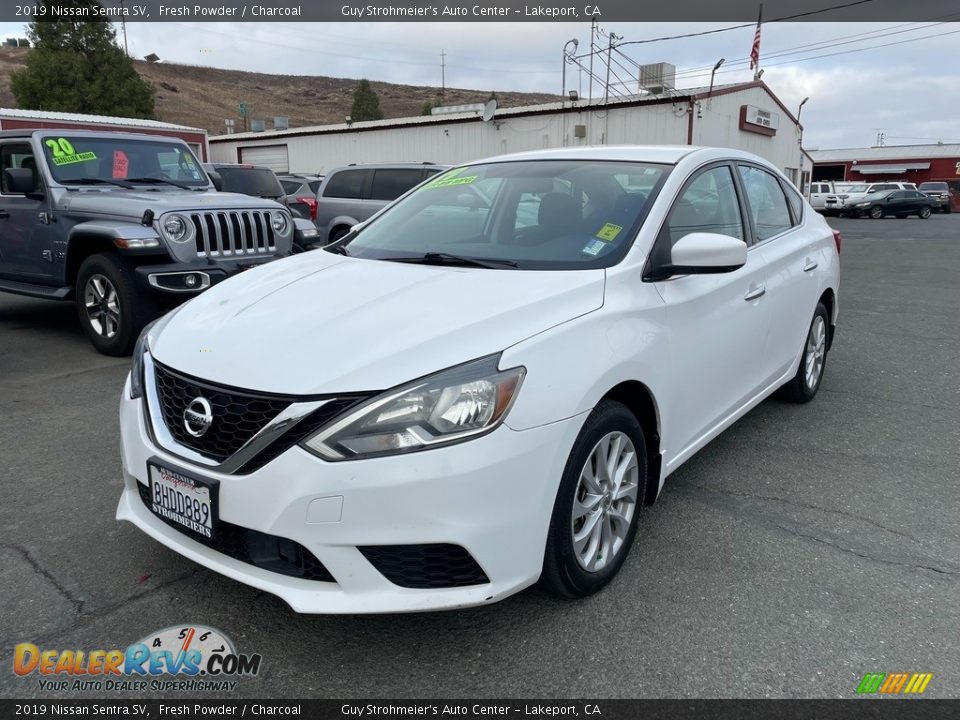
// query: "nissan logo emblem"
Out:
[198,417]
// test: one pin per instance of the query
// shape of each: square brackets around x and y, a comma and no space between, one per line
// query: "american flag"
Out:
[755,50]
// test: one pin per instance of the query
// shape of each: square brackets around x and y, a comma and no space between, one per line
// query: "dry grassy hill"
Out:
[203,97]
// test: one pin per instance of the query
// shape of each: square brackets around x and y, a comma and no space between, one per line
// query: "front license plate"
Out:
[187,501]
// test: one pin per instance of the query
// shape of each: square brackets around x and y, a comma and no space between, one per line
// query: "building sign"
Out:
[757,120]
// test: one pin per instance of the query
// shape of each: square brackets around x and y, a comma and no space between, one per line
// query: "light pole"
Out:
[714,72]
[800,140]
[566,58]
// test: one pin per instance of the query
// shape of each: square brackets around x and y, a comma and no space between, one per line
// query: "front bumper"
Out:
[492,496]
[168,281]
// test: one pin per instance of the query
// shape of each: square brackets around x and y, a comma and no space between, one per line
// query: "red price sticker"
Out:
[120,164]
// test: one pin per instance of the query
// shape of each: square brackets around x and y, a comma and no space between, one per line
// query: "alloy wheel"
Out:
[876,213]
[925,213]
[816,352]
[103,305]
[605,501]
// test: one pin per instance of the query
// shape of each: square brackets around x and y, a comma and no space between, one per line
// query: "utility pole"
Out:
[443,73]
[123,24]
[593,32]
[606,90]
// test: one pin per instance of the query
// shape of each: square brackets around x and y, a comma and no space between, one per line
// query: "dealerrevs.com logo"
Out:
[198,658]
[894,683]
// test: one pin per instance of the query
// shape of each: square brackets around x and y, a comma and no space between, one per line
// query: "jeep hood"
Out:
[133,203]
[320,323]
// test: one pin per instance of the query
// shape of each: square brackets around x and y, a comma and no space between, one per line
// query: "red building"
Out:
[12,119]
[910,163]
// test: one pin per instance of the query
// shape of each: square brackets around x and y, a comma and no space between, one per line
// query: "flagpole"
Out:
[755,49]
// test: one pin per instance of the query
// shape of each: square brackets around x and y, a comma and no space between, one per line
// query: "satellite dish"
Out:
[489,110]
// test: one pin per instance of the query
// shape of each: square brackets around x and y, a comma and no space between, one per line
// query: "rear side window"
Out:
[314,186]
[768,205]
[708,204]
[391,184]
[290,186]
[346,184]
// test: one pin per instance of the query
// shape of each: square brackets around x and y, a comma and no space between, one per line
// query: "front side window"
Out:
[106,158]
[544,214]
[17,155]
[708,204]
[768,205]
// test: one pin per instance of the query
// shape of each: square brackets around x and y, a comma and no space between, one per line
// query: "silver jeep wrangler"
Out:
[127,225]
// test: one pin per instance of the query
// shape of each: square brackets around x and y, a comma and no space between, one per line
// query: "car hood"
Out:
[320,323]
[134,203]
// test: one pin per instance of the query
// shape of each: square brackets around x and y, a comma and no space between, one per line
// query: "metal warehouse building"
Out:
[912,163]
[747,116]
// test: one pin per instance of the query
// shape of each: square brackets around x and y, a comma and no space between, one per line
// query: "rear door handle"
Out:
[811,265]
[756,292]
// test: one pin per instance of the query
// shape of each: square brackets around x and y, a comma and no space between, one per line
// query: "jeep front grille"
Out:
[234,232]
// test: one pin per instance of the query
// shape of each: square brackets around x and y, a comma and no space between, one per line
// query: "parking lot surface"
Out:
[804,547]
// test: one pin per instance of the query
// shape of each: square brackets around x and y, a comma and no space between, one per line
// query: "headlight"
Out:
[136,369]
[866,204]
[279,221]
[177,228]
[452,405]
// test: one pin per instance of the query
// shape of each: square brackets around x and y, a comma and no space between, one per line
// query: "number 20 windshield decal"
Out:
[64,153]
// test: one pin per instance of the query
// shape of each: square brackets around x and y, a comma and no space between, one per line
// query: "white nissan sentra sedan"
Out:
[480,386]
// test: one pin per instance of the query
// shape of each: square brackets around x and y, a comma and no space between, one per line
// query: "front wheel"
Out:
[876,212]
[595,513]
[112,312]
[924,212]
[804,385]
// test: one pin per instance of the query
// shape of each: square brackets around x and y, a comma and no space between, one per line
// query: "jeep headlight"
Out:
[453,405]
[177,228]
[279,222]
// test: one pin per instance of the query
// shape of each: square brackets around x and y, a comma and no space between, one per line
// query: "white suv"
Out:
[519,352]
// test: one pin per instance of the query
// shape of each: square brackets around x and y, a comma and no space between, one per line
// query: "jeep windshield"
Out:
[530,215]
[110,159]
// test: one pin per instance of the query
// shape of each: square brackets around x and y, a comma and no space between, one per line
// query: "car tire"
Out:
[804,385]
[595,517]
[924,213]
[111,310]
[338,232]
[876,212]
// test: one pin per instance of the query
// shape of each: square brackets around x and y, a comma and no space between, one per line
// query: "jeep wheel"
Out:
[112,312]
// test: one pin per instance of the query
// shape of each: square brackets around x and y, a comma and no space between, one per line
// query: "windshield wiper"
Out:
[97,181]
[165,181]
[338,249]
[442,258]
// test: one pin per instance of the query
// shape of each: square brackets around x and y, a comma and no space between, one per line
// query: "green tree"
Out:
[427,108]
[366,104]
[77,66]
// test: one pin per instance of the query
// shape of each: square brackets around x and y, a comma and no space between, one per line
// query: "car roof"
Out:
[29,132]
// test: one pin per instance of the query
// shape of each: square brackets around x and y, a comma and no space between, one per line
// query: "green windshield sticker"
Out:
[451,178]
[64,153]
[609,232]
[75,158]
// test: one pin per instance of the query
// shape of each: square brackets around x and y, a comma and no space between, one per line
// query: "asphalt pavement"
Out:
[804,547]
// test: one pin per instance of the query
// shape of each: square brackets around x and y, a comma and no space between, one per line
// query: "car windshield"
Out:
[537,214]
[112,159]
[878,195]
[933,186]
[259,182]
[856,188]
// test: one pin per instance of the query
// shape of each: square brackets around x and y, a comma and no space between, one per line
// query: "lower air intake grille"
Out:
[425,566]
[268,552]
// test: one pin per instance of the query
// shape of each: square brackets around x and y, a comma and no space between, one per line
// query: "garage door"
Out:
[274,157]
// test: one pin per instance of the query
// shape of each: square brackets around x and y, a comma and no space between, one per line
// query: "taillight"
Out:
[310,202]
[837,240]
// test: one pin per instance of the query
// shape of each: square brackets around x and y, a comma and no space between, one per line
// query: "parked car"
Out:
[898,203]
[841,201]
[127,225]
[349,195]
[817,194]
[940,191]
[301,191]
[488,402]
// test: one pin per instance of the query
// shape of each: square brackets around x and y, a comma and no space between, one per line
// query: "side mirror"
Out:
[20,181]
[215,179]
[706,253]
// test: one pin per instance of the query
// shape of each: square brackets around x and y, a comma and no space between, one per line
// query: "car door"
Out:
[792,254]
[341,196]
[25,238]
[898,202]
[717,323]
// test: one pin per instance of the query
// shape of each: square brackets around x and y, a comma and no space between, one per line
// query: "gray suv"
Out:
[351,194]
[127,225]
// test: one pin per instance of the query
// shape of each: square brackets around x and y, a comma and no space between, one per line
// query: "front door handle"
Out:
[811,265]
[756,292]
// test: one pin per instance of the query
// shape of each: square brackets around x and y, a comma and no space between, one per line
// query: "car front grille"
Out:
[231,233]
[425,567]
[237,415]
[269,552]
